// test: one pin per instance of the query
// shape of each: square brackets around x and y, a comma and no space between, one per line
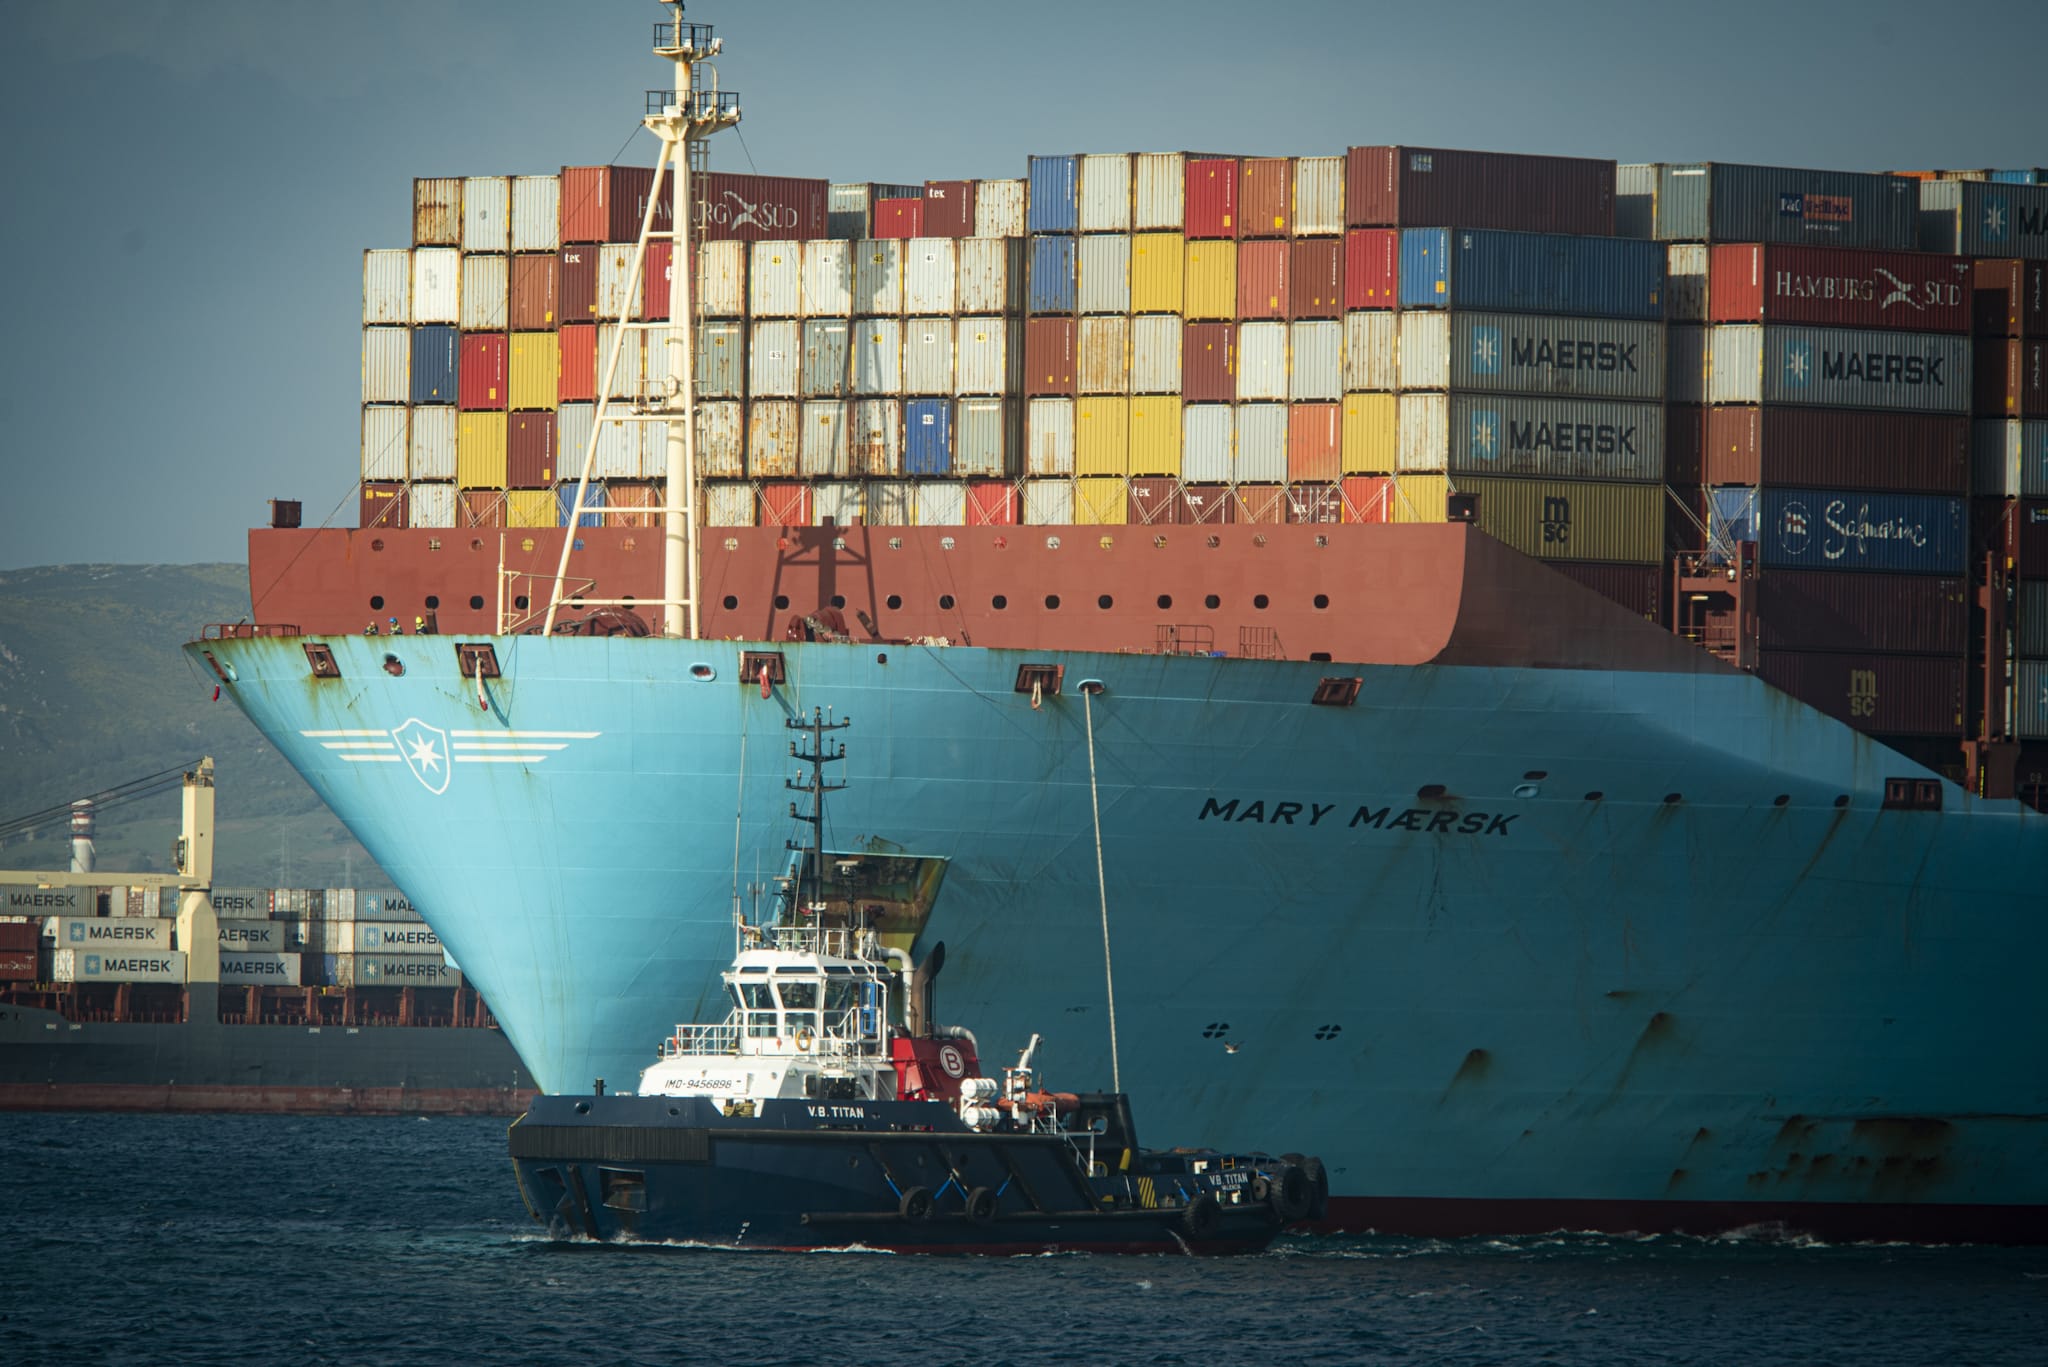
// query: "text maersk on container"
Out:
[1874,367]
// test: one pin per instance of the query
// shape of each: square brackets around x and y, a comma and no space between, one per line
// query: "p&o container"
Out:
[1723,202]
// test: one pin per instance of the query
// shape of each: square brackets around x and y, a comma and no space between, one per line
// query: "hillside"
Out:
[94,692]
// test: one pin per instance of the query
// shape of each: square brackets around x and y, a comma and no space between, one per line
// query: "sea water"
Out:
[251,1240]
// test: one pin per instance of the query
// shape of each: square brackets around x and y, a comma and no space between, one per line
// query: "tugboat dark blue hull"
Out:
[902,1176]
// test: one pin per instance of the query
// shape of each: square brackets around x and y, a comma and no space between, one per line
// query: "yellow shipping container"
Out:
[480,451]
[536,368]
[1212,280]
[1551,519]
[1102,438]
[1371,436]
[532,508]
[1101,502]
[1157,261]
[1155,435]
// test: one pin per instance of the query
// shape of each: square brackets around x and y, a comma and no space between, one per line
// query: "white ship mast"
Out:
[683,118]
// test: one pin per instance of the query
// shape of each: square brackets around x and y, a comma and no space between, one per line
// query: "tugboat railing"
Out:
[841,1038]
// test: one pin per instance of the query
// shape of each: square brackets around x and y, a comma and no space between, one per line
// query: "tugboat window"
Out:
[760,1004]
[799,1005]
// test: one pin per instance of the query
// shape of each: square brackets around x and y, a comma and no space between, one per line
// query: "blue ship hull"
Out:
[1509,947]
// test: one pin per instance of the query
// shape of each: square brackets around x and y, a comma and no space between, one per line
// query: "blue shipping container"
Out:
[928,437]
[434,350]
[1052,287]
[565,499]
[1588,277]
[2020,177]
[1050,205]
[1826,530]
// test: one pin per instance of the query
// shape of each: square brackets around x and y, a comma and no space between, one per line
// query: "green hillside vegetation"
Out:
[95,692]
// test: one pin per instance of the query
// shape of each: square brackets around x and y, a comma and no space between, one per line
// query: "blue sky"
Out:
[190,185]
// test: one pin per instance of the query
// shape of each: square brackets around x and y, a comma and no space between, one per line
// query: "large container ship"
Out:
[1608,657]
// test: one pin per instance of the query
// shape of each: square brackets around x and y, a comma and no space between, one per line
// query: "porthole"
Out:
[521,602]
[1052,543]
[730,602]
[1842,801]
[1322,601]
[1105,602]
[1052,600]
[1595,795]
[1781,799]
[1536,775]
[894,601]
[1214,542]
[376,602]
[476,602]
[1259,601]
[433,602]
[703,673]
[1526,790]
[1165,601]
[999,602]
[781,601]
[476,543]
[1672,799]
[838,600]
[394,666]
[1212,602]
[377,543]
[945,602]
[1431,791]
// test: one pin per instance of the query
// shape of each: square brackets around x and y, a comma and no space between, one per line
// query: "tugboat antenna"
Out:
[818,755]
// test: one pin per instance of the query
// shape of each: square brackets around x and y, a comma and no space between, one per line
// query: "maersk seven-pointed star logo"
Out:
[1486,434]
[1486,350]
[1994,218]
[425,750]
[1798,362]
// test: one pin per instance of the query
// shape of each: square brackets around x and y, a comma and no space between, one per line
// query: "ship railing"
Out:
[723,1038]
[840,942]
[242,631]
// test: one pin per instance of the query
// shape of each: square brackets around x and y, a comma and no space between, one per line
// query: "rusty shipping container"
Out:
[2011,298]
[381,505]
[1400,187]
[437,211]
[1050,346]
[1265,199]
[1836,449]
[2010,378]
[534,299]
[1914,372]
[1888,695]
[1751,282]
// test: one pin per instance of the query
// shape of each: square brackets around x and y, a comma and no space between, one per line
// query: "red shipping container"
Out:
[2018,528]
[1366,497]
[785,505]
[608,203]
[1904,695]
[1372,268]
[1205,505]
[1315,277]
[1828,448]
[1768,282]
[1639,588]
[992,503]
[1210,200]
[1153,501]
[658,280]
[480,375]
[530,450]
[1315,443]
[382,505]
[480,508]
[2009,379]
[949,208]
[899,218]
[17,965]
[623,495]
[1685,433]
[1263,505]
[1314,503]
[1428,187]
[1265,204]
[2011,298]
[739,208]
[1208,362]
[535,292]
[577,351]
[21,934]
[1891,614]
[1049,356]
[1262,280]
[577,287]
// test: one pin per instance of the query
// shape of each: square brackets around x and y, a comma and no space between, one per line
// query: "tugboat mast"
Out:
[818,755]
[683,117]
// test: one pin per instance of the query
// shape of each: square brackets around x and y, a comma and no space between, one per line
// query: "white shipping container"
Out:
[102,932]
[877,277]
[487,214]
[616,287]
[828,278]
[1912,372]
[774,356]
[244,969]
[721,360]
[1208,450]
[1103,356]
[485,283]
[1685,366]
[381,904]
[1104,262]
[986,433]
[1685,282]
[775,279]
[1371,352]
[629,381]
[1261,443]
[824,360]
[823,449]
[721,439]
[1501,434]
[437,285]
[1318,196]
[836,505]
[1261,363]
[728,505]
[774,436]
[875,436]
[391,970]
[240,903]
[572,438]
[878,356]
[721,280]
[387,365]
[991,275]
[2030,699]
[430,505]
[1526,353]
[150,901]
[1155,353]
[890,503]
[1315,369]
[930,275]
[387,287]
[1049,502]
[118,965]
[927,355]
[941,503]
[1049,438]
[267,936]
[1159,180]
[2010,458]
[999,208]
[396,937]
[988,355]
[386,444]
[1105,193]
[536,213]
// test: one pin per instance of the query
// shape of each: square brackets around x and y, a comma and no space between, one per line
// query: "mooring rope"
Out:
[1116,1082]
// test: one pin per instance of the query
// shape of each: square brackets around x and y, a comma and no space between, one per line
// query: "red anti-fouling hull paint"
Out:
[16,1096]
[1839,1222]
[1763,282]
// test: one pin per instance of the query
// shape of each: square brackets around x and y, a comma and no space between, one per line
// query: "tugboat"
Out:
[827,1110]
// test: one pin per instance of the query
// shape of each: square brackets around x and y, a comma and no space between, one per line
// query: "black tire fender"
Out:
[1292,1193]
[916,1204]
[1202,1217]
[981,1205]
